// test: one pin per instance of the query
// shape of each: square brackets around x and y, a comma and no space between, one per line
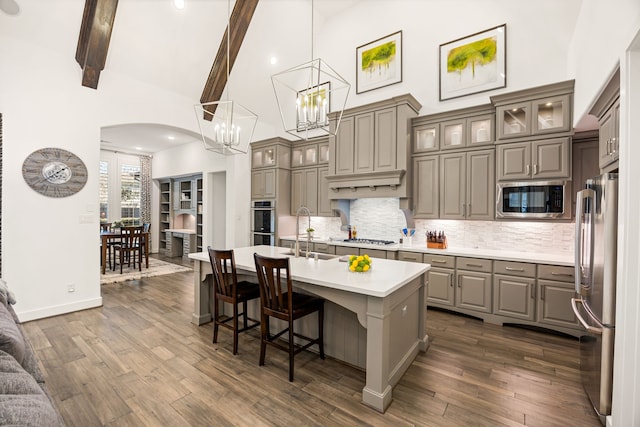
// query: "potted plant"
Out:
[310,232]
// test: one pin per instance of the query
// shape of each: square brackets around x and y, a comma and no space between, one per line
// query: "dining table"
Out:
[106,236]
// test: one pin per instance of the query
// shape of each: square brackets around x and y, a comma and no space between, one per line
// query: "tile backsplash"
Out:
[382,219]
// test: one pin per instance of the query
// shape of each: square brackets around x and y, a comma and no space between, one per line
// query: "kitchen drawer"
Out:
[474,264]
[322,248]
[409,256]
[446,261]
[515,268]
[345,250]
[373,253]
[556,272]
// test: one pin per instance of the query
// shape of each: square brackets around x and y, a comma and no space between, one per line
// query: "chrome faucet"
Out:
[297,249]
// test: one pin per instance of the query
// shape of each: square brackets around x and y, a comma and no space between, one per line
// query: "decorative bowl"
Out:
[359,263]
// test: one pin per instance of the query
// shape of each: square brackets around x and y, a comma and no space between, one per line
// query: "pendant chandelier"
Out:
[311,97]
[226,126]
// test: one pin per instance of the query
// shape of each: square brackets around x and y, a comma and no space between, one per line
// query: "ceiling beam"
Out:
[93,41]
[239,22]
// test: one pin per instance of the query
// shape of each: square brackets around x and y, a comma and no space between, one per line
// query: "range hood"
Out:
[370,155]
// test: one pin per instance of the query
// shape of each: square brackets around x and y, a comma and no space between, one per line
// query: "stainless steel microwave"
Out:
[533,200]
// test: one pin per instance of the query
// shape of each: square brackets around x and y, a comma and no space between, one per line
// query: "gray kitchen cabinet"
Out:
[323,248]
[473,284]
[584,158]
[514,290]
[364,131]
[426,138]
[304,190]
[440,288]
[538,159]
[184,194]
[609,135]
[344,150]
[467,185]
[370,151]
[304,154]
[384,140]
[410,256]
[263,184]
[324,203]
[555,290]
[607,109]
[274,152]
[534,112]
[346,250]
[467,132]
[426,186]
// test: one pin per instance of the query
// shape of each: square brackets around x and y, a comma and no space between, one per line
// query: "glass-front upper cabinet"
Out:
[551,115]
[453,134]
[304,155]
[514,120]
[426,138]
[480,130]
[263,157]
[323,152]
[537,117]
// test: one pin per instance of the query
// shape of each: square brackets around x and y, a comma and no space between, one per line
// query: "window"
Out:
[130,193]
[104,191]
[120,188]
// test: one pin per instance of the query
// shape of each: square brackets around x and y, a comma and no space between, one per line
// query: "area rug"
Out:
[156,268]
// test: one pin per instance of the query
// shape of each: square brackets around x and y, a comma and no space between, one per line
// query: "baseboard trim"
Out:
[26,316]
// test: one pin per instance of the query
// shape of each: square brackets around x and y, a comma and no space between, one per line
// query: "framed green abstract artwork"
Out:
[379,63]
[475,63]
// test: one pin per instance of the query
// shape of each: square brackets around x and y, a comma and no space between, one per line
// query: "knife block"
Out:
[437,244]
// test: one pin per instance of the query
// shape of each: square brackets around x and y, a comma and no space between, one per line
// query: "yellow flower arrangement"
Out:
[359,264]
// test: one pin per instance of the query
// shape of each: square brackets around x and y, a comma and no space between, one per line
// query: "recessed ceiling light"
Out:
[273,60]
[171,137]
[138,148]
[179,4]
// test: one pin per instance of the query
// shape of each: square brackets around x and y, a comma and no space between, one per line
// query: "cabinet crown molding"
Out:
[560,88]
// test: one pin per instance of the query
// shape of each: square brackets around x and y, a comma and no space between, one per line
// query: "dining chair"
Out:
[130,244]
[286,305]
[229,290]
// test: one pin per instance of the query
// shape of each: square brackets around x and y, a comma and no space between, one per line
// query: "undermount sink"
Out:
[312,255]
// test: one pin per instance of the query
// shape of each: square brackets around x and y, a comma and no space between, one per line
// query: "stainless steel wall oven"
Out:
[263,222]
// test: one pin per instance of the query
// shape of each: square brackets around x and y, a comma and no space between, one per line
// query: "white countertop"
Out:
[505,255]
[385,276]
[181,230]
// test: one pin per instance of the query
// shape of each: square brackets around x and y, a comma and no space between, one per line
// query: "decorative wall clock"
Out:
[54,172]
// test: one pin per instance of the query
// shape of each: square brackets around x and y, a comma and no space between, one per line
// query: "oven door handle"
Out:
[589,328]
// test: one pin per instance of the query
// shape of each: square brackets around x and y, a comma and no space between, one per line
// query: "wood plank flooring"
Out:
[138,361]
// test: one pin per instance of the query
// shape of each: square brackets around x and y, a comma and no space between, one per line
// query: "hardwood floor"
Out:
[138,361]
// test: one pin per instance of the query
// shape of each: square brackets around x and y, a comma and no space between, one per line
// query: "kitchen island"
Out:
[373,320]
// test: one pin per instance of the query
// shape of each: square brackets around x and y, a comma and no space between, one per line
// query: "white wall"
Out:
[45,246]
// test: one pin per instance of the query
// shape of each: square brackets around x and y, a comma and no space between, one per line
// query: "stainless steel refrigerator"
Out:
[595,301]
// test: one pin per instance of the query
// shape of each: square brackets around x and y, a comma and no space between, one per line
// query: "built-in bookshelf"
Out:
[165,212]
[199,209]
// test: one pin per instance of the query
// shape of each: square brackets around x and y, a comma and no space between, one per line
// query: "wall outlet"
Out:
[71,287]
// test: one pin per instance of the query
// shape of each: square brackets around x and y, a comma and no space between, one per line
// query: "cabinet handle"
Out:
[553,273]
[469,264]
[439,261]
[464,210]
[535,169]
[514,269]
[458,282]
[613,145]
[527,170]
[451,280]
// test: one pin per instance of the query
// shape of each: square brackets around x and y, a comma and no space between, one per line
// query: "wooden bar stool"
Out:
[228,289]
[284,304]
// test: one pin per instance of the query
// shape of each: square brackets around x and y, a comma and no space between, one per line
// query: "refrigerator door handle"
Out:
[582,196]
[589,328]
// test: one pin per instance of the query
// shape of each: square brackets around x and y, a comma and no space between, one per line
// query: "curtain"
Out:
[145,189]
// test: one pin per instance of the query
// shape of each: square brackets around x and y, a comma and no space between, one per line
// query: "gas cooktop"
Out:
[370,241]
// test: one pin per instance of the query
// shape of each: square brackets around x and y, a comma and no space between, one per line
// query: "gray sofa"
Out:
[24,399]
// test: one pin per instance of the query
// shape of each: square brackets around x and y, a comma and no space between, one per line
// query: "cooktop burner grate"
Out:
[370,241]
